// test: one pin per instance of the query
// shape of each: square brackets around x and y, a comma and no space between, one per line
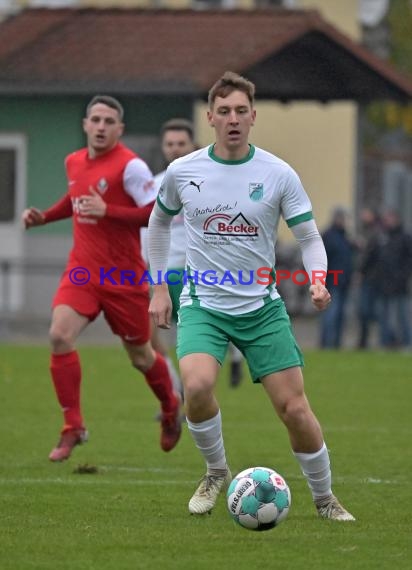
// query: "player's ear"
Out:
[84,122]
[210,118]
[253,116]
[121,129]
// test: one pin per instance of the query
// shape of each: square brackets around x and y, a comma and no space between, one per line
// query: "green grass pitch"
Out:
[132,514]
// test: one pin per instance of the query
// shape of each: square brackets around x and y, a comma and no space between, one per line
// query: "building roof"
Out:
[289,54]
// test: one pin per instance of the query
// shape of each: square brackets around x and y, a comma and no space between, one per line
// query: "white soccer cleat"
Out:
[331,509]
[205,496]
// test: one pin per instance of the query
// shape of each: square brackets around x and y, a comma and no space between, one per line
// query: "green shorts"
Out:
[175,286]
[264,336]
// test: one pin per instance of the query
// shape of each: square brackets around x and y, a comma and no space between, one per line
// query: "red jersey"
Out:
[124,181]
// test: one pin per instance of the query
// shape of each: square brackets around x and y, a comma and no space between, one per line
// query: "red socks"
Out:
[66,375]
[159,380]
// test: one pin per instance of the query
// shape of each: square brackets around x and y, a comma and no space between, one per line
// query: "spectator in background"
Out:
[368,271]
[339,250]
[394,269]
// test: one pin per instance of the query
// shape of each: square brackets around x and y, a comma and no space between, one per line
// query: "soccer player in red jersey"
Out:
[110,196]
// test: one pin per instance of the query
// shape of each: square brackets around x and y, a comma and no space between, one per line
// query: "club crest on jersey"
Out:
[255,191]
[149,185]
[102,185]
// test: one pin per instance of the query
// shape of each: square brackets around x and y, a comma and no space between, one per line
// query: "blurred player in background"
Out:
[110,196]
[232,195]
[177,140]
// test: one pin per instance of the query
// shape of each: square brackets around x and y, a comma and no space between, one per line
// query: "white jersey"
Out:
[231,214]
[177,251]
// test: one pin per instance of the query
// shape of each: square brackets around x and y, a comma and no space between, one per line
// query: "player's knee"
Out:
[294,412]
[142,356]
[140,363]
[143,361]
[197,387]
[157,344]
[60,338]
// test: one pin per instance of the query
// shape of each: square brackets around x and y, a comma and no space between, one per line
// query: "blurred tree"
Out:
[392,116]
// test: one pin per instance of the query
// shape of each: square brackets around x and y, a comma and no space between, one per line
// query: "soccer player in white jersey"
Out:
[232,195]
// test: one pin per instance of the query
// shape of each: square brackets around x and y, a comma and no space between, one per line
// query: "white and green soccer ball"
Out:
[258,498]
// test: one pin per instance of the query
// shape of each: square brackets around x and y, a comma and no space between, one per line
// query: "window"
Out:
[12,168]
[52,3]
[8,185]
[214,4]
[12,202]
[276,3]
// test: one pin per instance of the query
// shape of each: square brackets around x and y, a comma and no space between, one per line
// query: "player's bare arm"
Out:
[32,217]
[92,204]
[160,307]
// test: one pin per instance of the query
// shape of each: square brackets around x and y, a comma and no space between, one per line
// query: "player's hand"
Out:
[92,204]
[32,217]
[160,307]
[320,296]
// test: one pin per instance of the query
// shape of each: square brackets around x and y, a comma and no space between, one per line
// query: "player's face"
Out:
[232,117]
[103,128]
[176,144]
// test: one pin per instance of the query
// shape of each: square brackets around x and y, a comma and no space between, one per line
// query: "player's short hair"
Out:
[106,100]
[178,125]
[229,82]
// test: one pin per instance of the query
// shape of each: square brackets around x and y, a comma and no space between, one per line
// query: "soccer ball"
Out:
[258,498]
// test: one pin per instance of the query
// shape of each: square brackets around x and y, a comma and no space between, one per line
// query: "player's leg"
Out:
[236,358]
[329,321]
[402,316]
[127,313]
[199,373]
[73,308]
[285,390]
[154,368]
[364,313]
[175,287]
[65,370]
[160,343]
[274,358]
[201,349]
[160,339]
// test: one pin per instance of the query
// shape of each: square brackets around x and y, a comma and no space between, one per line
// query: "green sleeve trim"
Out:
[167,210]
[299,219]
